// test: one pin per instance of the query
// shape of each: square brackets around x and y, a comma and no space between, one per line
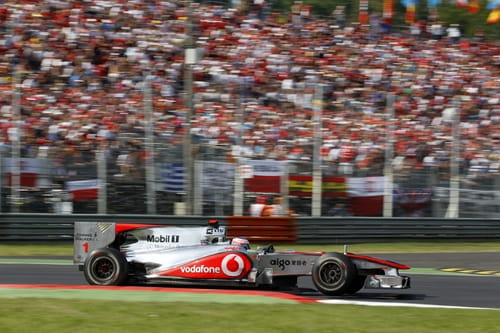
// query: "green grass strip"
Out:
[139,296]
[88,316]
[33,261]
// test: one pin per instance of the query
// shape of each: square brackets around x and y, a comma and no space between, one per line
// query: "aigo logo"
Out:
[231,265]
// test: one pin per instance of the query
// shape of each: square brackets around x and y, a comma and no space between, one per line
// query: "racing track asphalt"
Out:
[475,285]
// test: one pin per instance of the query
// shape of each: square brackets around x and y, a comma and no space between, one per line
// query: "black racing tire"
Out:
[333,274]
[105,267]
[356,285]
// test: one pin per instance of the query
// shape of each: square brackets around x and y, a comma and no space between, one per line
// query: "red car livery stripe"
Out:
[319,253]
[378,261]
[228,265]
[120,227]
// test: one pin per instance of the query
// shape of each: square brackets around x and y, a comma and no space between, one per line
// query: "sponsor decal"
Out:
[103,227]
[231,265]
[81,236]
[284,263]
[162,238]
[216,231]
[232,247]
[200,269]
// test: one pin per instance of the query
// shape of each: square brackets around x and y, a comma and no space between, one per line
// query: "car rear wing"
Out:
[89,236]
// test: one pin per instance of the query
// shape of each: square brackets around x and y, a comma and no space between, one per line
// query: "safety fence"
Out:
[422,192]
[299,230]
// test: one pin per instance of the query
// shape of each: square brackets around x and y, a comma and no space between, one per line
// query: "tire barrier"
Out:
[262,229]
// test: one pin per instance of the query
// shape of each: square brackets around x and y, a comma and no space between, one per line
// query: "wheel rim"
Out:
[331,274]
[103,268]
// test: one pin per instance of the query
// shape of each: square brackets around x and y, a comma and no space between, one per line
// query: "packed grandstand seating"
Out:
[78,72]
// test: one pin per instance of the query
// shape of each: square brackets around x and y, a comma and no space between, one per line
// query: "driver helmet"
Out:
[243,242]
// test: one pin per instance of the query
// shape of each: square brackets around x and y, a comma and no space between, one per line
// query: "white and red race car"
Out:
[119,253]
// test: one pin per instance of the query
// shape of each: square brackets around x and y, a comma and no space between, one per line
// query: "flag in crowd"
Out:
[29,170]
[173,177]
[365,194]
[413,202]
[494,16]
[363,11]
[410,6]
[217,181]
[87,189]
[472,6]
[388,10]
[493,4]
[433,3]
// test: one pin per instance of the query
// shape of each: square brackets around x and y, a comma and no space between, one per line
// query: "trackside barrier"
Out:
[301,230]
[51,227]
[357,230]
[263,229]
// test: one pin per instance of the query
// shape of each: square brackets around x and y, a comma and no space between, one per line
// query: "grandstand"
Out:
[73,76]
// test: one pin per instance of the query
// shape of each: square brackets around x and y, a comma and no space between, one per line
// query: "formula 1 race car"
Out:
[117,254]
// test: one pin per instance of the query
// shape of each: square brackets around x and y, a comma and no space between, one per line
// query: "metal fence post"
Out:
[317,176]
[103,181]
[389,152]
[150,151]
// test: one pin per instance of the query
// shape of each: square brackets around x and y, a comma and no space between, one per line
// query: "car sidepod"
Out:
[220,266]
[211,263]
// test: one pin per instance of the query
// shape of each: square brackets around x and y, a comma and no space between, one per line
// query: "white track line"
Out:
[393,304]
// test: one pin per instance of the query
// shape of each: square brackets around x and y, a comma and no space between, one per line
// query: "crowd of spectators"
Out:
[82,68]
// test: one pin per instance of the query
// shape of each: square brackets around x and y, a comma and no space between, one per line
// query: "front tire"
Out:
[356,285]
[333,274]
[105,267]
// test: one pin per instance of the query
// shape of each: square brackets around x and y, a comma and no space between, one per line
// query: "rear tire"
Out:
[105,267]
[333,274]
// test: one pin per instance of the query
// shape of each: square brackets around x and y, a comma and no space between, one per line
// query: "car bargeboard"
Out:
[121,253]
